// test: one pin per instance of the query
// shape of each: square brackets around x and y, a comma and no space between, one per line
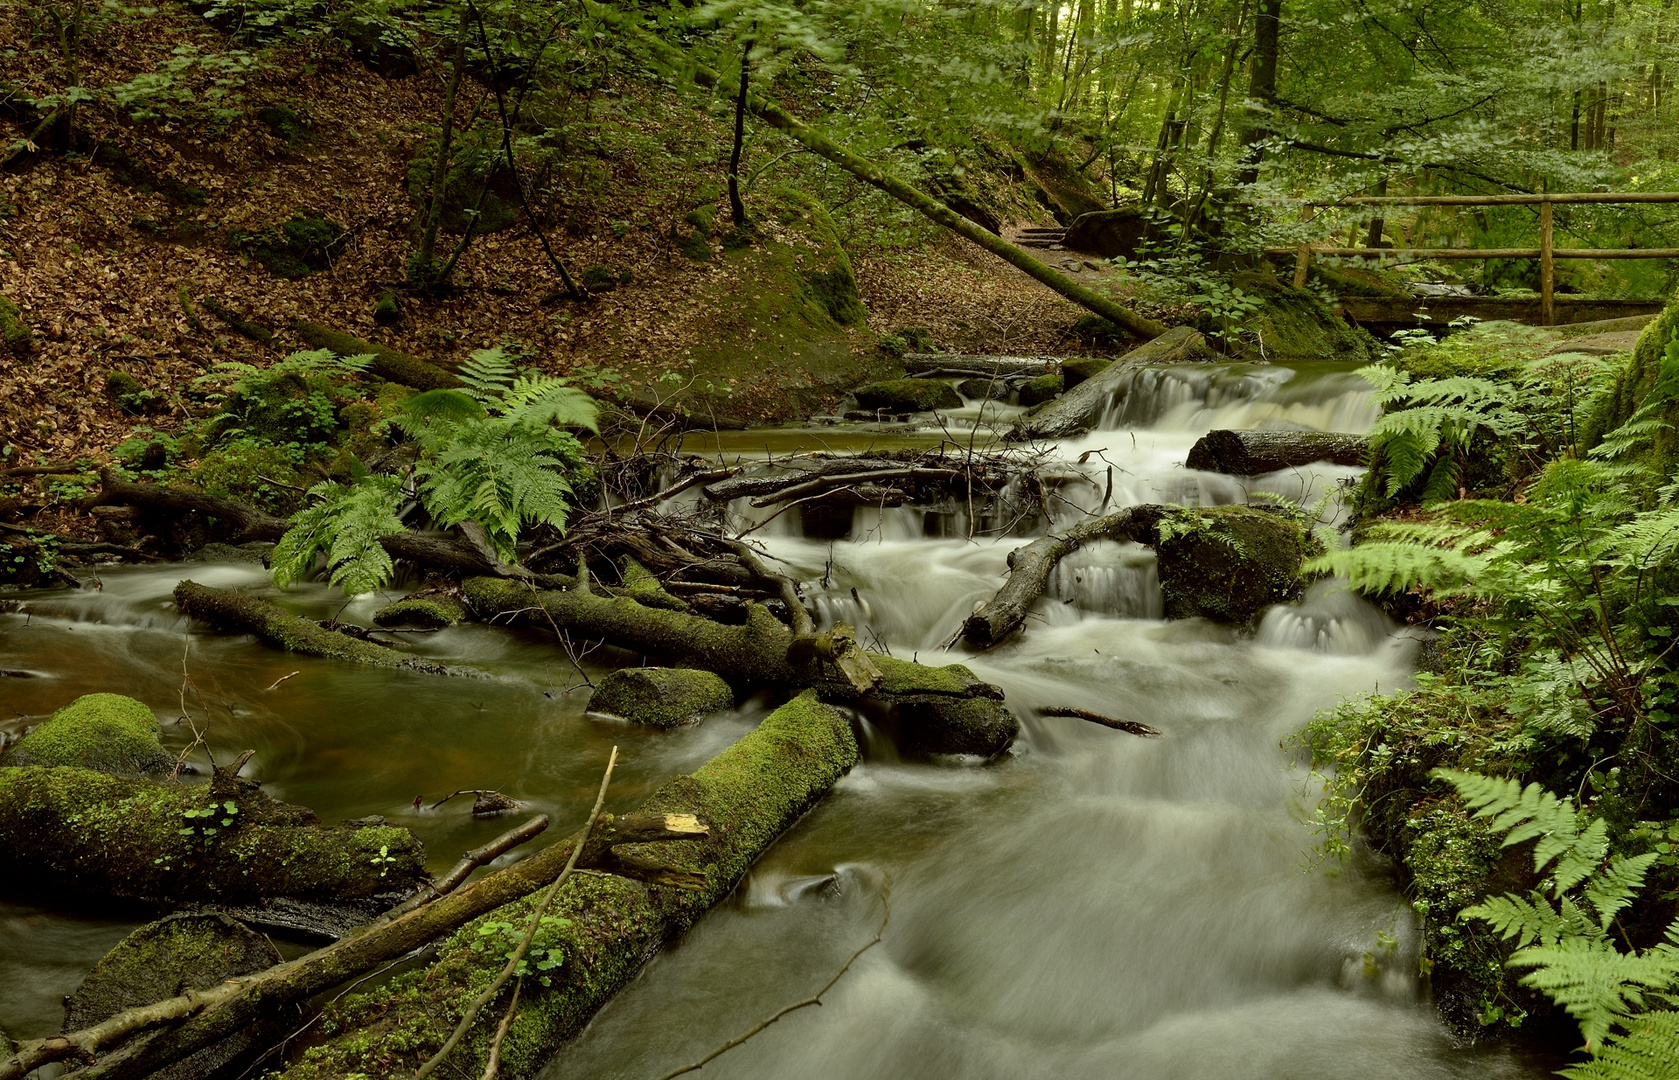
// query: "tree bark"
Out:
[1079,409]
[1262,89]
[737,209]
[1031,566]
[774,115]
[389,364]
[1250,453]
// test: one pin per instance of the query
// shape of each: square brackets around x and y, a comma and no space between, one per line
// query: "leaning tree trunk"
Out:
[1079,409]
[774,115]
[1250,453]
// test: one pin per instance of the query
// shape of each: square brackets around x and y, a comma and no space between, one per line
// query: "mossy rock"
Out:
[106,732]
[828,275]
[132,396]
[1635,383]
[387,309]
[295,248]
[425,611]
[1074,372]
[984,389]
[286,124]
[661,697]
[1041,389]
[908,395]
[252,472]
[1228,563]
[1293,324]
[164,959]
[1095,330]
[14,332]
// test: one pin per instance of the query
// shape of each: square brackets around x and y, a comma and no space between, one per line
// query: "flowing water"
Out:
[1091,905]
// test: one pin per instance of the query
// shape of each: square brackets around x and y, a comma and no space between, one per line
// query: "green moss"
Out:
[245,613]
[1043,388]
[387,309]
[252,472]
[131,395]
[431,611]
[163,958]
[907,395]
[749,795]
[1228,563]
[1359,281]
[107,732]
[827,274]
[285,124]
[294,249]
[129,838]
[1076,371]
[661,697]
[15,334]
[1636,382]
[388,363]
[1293,324]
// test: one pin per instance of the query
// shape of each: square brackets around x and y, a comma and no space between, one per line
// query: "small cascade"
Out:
[1107,580]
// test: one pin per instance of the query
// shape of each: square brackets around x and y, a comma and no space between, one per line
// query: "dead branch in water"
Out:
[1139,729]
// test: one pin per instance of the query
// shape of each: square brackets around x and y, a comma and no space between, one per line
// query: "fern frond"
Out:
[540,400]
[1526,920]
[346,524]
[487,374]
[1615,887]
[1379,566]
[500,474]
[1597,984]
[1532,813]
[427,416]
[1649,1050]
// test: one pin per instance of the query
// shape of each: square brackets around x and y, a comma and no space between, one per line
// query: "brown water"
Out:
[1091,905]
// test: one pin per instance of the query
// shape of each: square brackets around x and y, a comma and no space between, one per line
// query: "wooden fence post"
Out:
[1302,259]
[1547,268]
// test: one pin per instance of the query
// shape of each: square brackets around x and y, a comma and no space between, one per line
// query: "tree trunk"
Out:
[438,187]
[389,364]
[1250,453]
[777,117]
[737,209]
[1262,88]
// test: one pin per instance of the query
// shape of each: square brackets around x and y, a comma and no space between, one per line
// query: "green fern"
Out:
[488,373]
[1427,423]
[345,524]
[500,474]
[1598,985]
[1648,1050]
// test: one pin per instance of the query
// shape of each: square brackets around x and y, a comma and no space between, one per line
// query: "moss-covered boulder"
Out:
[1292,324]
[661,697]
[423,611]
[931,710]
[67,829]
[15,335]
[295,248]
[907,395]
[1074,372]
[606,925]
[1228,563]
[106,732]
[1044,388]
[984,389]
[166,958]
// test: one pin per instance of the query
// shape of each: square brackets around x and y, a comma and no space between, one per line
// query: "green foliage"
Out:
[1563,929]
[252,471]
[288,404]
[546,953]
[345,524]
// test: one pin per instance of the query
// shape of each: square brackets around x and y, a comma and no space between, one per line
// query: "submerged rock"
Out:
[426,611]
[106,732]
[908,395]
[661,697]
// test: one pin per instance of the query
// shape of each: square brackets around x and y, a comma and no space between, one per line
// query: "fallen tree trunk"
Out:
[111,836]
[1079,409]
[239,611]
[774,115]
[1031,566]
[963,364]
[750,793]
[1250,453]
[389,364]
[939,710]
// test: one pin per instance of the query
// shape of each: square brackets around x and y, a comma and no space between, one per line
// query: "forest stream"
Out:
[1091,904]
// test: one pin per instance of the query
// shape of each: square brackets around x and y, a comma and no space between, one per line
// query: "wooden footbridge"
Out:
[1548,309]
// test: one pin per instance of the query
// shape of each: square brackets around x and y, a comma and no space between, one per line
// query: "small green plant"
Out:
[384,860]
[544,955]
[200,822]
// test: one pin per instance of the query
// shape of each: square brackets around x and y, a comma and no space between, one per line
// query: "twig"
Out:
[814,999]
[802,623]
[482,854]
[1132,726]
[507,1019]
[283,678]
[494,988]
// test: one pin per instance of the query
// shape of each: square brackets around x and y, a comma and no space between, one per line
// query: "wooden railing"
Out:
[1547,253]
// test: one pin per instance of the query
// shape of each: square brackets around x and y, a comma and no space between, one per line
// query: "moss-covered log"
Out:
[232,610]
[388,363]
[1080,408]
[939,710]
[660,697]
[15,335]
[750,794]
[112,836]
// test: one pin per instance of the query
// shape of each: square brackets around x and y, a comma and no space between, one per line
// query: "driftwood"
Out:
[1031,566]
[232,610]
[1250,453]
[484,853]
[1079,409]
[1132,726]
[926,364]
[938,710]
